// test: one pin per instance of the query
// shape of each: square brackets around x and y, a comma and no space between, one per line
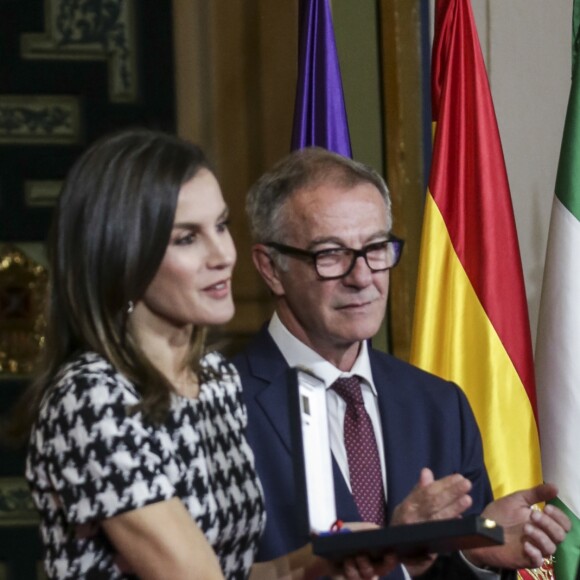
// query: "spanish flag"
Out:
[471,322]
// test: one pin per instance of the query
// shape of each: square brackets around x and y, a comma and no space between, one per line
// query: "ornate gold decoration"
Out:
[23,292]
[33,119]
[545,572]
[90,30]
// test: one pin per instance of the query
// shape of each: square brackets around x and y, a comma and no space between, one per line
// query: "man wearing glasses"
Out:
[321,224]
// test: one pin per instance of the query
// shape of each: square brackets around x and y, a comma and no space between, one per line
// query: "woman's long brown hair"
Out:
[108,237]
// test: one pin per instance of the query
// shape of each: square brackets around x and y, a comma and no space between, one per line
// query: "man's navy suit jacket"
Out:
[426,422]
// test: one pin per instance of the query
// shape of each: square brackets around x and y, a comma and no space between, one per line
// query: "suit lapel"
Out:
[267,364]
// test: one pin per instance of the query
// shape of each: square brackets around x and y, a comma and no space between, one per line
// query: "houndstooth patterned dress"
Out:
[90,459]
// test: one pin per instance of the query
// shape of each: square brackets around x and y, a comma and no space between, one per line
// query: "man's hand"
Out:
[431,500]
[530,535]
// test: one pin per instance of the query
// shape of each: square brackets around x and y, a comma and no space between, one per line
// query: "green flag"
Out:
[557,347]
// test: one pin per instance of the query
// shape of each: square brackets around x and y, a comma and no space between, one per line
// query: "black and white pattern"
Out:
[89,458]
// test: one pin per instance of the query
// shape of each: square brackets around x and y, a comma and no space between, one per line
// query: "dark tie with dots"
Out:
[364,465]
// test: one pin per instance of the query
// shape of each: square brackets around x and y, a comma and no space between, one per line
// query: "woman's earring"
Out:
[130,307]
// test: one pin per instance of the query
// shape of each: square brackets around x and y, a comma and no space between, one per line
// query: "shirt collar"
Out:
[297,353]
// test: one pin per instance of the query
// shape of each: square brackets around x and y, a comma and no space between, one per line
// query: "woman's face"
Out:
[193,283]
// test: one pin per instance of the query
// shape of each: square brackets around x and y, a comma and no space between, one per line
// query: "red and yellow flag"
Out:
[471,322]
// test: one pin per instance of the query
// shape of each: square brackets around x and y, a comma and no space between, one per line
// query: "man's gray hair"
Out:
[303,169]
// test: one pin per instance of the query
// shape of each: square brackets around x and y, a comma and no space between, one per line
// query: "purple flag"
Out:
[319,111]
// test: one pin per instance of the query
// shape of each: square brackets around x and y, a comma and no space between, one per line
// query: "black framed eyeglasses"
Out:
[334,263]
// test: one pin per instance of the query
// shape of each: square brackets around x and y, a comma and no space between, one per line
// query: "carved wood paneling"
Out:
[71,71]
[88,30]
[40,119]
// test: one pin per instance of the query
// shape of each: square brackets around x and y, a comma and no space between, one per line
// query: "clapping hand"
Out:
[430,500]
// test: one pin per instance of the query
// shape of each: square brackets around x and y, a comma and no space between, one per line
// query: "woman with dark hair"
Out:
[137,458]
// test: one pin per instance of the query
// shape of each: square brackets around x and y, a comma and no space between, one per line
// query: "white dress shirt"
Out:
[297,353]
